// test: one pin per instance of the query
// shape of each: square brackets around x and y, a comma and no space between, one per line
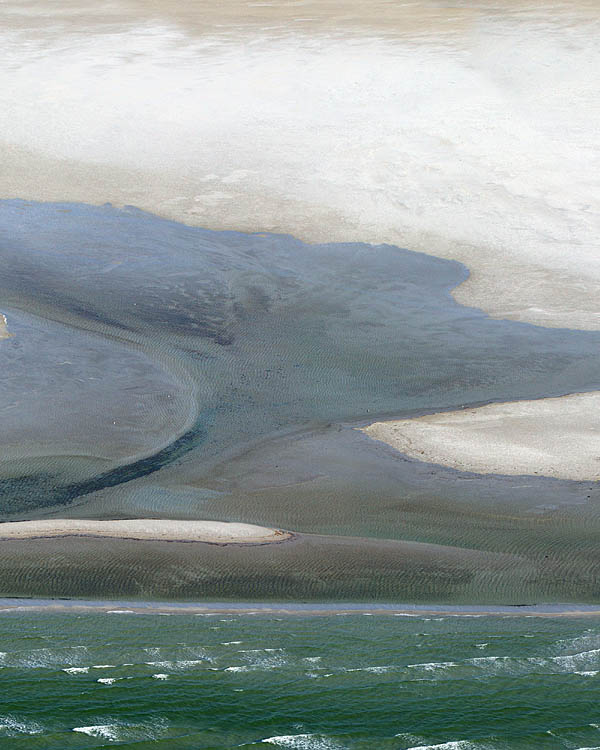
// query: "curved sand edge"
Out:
[552,437]
[212,532]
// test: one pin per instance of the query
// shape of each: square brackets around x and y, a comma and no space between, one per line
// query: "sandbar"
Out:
[4,332]
[553,437]
[212,532]
[302,609]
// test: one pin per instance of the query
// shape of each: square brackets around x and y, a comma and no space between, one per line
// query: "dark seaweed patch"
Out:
[42,490]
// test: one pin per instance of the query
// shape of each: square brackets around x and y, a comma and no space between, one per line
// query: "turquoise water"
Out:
[72,680]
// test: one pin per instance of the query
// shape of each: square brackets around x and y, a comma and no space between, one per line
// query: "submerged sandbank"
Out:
[553,437]
[213,532]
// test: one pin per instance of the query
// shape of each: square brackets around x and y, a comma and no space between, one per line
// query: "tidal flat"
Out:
[157,370]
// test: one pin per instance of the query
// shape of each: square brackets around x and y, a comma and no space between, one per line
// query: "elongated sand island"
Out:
[553,437]
[211,532]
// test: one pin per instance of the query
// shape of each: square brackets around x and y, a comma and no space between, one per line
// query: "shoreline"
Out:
[21,604]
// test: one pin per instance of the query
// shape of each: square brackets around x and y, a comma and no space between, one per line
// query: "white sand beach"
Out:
[214,532]
[553,437]
[466,131]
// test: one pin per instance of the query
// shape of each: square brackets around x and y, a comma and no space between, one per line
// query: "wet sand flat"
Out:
[305,568]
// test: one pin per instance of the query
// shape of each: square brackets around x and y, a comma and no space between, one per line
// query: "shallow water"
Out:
[254,333]
[162,370]
[322,683]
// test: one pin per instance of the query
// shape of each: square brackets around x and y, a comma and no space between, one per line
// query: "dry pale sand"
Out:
[554,437]
[4,332]
[464,129]
[214,532]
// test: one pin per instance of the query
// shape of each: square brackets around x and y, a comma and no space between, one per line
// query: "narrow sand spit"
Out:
[554,437]
[4,332]
[213,532]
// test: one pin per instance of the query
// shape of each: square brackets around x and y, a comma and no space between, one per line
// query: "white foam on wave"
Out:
[304,742]
[160,676]
[76,670]
[589,639]
[586,663]
[231,643]
[428,666]
[10,726]
[452,745]
[120,612]
[585,660]
[372,670]
[44,658]
[116,731]
[481,661]
[102,731]
[178,664]
[263,658]
[258,650]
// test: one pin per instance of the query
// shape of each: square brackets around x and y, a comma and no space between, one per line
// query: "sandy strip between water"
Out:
[208,609]
[212,532]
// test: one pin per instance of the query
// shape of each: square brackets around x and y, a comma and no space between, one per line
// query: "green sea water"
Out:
[334,682]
